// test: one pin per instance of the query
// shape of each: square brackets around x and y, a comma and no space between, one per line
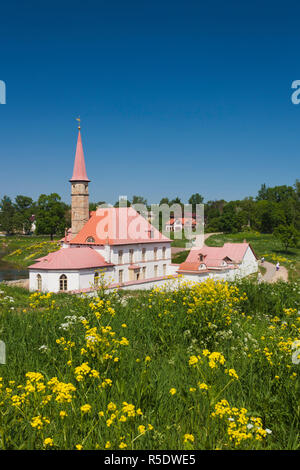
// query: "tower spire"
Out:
[79,189]
[79,170]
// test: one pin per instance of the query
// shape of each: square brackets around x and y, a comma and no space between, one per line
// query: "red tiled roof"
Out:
[71,258]
[117,226]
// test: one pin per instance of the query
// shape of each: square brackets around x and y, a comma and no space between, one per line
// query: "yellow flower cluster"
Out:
[240,427]
[66,344]
[63,391]
[41,301]
[85,370]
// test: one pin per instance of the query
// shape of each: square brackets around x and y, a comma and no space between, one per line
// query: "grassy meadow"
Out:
[22,250]
[207,366]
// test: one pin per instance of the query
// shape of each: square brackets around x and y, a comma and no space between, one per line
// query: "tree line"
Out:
[274,210]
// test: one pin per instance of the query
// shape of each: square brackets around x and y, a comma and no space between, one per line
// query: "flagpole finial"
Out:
[78,119]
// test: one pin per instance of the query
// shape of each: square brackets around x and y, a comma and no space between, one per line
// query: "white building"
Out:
[177,224]
[121,247]
[116,244]
[231,261]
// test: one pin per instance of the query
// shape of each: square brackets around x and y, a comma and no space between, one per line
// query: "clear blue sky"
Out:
[175,97]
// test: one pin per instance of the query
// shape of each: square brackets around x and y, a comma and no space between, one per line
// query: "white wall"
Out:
[149,262]
[249,264]
[50,280]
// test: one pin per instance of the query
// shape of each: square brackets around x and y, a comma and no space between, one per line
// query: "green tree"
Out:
[139,200]
[50,217]
[24,210]
[287,235]
[7,211]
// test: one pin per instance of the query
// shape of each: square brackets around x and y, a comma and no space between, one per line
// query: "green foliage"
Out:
[50,215]
[7,211]
[24,211]
[288,235]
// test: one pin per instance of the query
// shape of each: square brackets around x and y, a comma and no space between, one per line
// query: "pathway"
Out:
[271,275]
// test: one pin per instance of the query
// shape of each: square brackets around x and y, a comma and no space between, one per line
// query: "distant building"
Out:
[177,224]
[227,262]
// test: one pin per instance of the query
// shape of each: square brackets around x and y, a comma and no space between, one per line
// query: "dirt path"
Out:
[271,275]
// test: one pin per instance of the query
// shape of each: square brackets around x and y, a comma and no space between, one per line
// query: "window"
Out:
[120,257]
[200,257]
[90,240]
[96,279]
[164,252]
[155,270]
[121,276]
[130,256]
[164,269]
[144,272]
[63,283]
[39,282]
[144,254]
[155,253]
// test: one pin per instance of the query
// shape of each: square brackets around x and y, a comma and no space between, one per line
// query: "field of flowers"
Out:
[210,366]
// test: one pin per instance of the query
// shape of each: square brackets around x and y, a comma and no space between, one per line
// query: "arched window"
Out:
[39,282]
[96,279]
[63,283]
[90,240]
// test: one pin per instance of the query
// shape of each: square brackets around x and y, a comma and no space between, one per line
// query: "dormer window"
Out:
[90,240]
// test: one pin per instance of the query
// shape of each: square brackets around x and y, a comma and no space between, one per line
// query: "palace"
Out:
[121,247]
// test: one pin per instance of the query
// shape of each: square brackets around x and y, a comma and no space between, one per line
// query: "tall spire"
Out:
[79,171]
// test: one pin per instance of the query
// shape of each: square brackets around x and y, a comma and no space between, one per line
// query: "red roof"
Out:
[213,257]
[71,258]
[183,220]
[79,171]
[117,226]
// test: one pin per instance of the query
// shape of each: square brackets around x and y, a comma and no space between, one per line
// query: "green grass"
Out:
[264,245]
[178,242]
[180,257]
[164,330]
[23,250]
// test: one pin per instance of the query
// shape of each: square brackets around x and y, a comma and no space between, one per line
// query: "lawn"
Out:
[263,245]
[210,366]
[23,250]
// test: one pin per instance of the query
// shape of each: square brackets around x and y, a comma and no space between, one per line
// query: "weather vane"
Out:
[78,119]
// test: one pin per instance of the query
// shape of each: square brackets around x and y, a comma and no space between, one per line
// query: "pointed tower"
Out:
[79,190]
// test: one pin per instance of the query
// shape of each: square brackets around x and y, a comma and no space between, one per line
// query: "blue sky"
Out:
[175,97]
